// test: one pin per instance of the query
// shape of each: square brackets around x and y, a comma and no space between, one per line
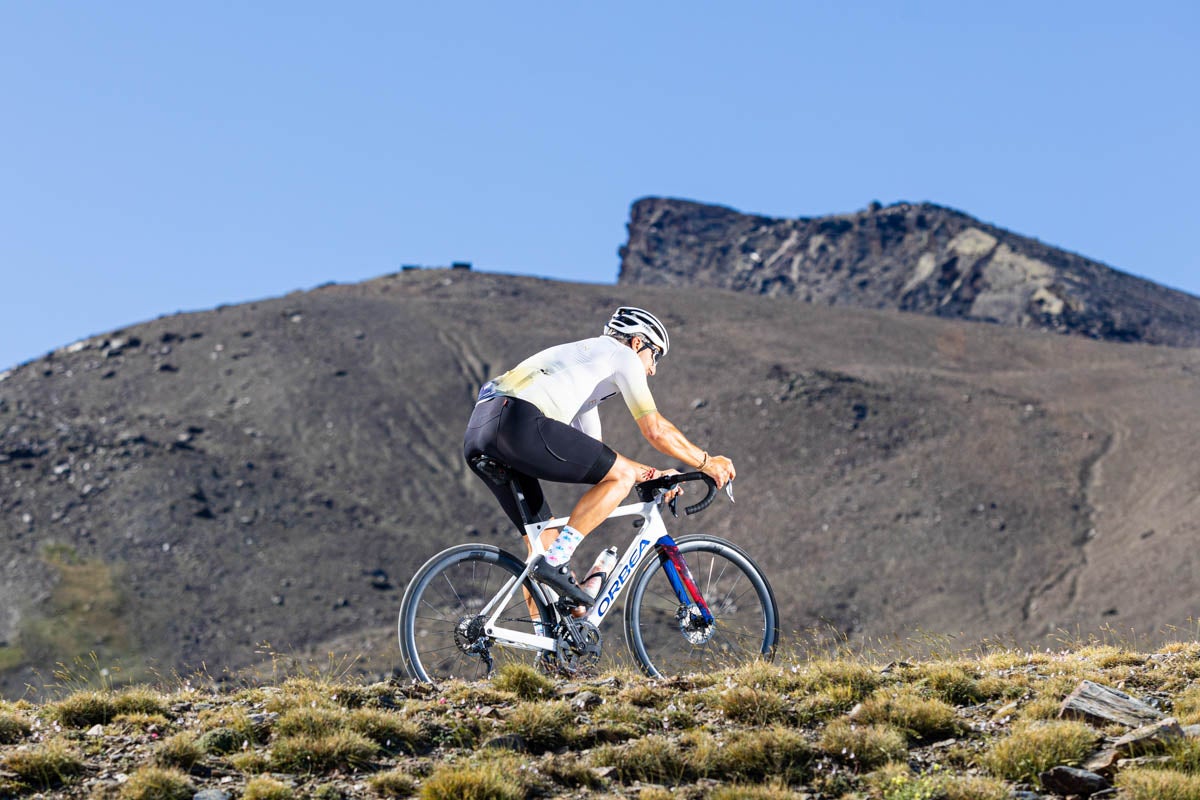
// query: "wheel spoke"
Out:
[736,594]
[451,591]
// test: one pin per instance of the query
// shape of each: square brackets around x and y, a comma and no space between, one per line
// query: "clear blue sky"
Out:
[162,156]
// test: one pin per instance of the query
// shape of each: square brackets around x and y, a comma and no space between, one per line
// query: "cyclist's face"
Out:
[647,353]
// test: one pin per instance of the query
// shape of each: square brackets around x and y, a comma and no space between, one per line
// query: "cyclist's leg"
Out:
[604,497]
[539,447]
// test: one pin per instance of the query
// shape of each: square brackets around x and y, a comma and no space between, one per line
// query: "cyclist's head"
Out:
[627,322]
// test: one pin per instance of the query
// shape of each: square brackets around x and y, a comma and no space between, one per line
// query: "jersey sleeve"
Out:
[630,378]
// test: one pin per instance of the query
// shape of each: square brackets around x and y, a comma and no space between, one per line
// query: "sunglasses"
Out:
[655,353]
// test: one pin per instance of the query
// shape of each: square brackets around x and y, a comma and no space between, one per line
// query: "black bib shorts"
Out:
[515,432]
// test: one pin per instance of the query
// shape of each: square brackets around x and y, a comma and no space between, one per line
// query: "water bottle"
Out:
[599,572]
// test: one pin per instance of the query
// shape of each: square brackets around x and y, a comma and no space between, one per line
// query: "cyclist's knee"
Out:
[623,472]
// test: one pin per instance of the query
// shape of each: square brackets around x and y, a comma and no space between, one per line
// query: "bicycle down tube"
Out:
[652,532]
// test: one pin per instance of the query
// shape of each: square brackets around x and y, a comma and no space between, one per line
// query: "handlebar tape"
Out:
[647,489]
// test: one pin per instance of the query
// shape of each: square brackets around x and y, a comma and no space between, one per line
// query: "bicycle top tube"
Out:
[648,492]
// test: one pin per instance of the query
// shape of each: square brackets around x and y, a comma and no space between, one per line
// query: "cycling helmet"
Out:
[630,321]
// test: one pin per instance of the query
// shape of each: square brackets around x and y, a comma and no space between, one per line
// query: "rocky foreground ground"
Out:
[1087,721]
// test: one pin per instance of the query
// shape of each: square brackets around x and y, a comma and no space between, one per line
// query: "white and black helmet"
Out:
[630,321]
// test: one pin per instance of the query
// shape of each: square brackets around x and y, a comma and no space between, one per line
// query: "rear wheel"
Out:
[669,637]
[440,626]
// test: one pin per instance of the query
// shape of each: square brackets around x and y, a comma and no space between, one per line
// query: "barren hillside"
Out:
[180,492]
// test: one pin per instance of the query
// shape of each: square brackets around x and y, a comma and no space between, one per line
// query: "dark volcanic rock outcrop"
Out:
[907,257]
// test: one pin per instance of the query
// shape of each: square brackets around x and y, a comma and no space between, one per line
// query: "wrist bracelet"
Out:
[705,461]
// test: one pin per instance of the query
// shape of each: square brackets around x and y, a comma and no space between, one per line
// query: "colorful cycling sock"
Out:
[562,548]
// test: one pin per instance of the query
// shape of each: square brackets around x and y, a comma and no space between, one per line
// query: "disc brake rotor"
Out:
[469,635]
[693,626]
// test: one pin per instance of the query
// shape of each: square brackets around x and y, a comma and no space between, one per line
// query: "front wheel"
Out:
[670,637]
[440,626]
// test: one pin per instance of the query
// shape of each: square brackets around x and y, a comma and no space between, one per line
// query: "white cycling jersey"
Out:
[568,381]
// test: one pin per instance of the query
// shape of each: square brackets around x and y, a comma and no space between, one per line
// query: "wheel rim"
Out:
[440,634]
[671,640]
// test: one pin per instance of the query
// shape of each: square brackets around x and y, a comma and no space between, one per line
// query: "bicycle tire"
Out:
[746,616]
[448,590]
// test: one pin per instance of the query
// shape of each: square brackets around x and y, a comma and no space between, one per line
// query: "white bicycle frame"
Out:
[651,531]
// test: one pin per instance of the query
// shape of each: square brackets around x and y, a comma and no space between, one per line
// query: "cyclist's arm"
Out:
[667,439]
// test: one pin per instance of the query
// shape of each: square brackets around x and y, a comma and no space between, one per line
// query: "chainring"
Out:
[578,647]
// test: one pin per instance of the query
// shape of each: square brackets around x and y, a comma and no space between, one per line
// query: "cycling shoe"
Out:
[561,581]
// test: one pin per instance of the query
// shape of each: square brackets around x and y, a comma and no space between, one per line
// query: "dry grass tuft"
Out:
[45,766]
[523,681]
[392,732]
[1187,706]
[654,759]
[781,752]
[393,783]
[155,783]
[13,727]
[863,746]
[182,751]
[489,781]
[1030,750]
[571,771]
[543,726]
[83,709]
[306,753]
[923,719]
[739,791]
[267,789]
[897,781]
[752,706]
[1158,784]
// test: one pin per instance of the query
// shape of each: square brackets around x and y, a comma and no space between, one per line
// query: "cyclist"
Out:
[541,419]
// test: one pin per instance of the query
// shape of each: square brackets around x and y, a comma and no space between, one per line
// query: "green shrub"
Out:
[221,741]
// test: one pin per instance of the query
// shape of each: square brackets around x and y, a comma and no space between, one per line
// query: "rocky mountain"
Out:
[907,257]
[207,490]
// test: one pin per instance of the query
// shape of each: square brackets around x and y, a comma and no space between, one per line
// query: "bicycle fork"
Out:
[681,579]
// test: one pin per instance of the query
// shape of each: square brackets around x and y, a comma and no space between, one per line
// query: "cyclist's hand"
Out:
[674,491]
[720,469]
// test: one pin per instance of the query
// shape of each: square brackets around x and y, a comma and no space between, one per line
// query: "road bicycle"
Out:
[694,605]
